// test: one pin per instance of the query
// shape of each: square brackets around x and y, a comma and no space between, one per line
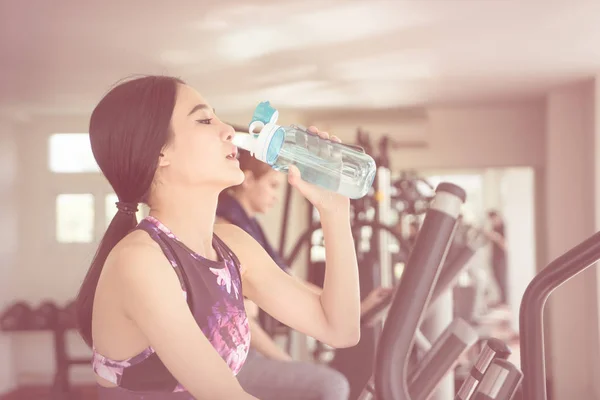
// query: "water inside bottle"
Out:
[323,163]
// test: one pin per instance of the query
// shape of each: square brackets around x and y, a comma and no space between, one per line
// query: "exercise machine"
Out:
[395,378]
[492,376]
[455,263]
[428,363]
[406,197]
[413,194]
[531,323]
[381,251]
[413,293]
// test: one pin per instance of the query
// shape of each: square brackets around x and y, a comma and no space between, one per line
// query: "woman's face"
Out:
[263,193]
[201,152]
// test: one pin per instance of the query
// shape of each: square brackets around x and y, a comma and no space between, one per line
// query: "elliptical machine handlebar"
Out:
[452,268]
[414,291]
[531,325]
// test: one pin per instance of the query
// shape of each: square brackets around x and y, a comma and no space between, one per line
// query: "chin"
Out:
[231,177]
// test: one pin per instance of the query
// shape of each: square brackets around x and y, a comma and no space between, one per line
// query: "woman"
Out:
[497,238]
[162,303]
[269,372]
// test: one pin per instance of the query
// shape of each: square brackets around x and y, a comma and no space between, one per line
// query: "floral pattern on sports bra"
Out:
[223,320]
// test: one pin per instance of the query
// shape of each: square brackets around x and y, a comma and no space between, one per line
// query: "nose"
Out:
[228,132]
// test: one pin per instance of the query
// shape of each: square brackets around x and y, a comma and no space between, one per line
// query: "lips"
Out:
[233,155]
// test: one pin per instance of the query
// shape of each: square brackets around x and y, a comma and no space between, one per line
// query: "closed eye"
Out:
[204,121]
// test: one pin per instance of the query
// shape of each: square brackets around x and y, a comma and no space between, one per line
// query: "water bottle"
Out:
[338,167]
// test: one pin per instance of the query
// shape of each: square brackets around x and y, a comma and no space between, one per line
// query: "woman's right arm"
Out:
[151,296]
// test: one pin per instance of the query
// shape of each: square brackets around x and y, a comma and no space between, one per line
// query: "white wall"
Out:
[504,135]
[9,214]
[48,270]
[518,209]
[596,178]
[570,187]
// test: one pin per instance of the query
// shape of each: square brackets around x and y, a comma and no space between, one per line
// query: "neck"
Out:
[190,215]
[245,204]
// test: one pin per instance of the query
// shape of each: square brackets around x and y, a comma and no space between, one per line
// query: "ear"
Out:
[163,159]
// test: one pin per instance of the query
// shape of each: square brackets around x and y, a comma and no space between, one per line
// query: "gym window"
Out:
[71,153]
[75,218]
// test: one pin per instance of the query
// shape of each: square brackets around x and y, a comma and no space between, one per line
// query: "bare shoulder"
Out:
[138,270]
[221,220]
[225,229]
[138,258]
[244,246]
[235,237]
[152,298]
[137,244]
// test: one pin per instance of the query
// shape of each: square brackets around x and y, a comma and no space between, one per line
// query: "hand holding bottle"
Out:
[320,160]
[324,200]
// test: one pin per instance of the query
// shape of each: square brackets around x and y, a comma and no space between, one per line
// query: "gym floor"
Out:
[87,392]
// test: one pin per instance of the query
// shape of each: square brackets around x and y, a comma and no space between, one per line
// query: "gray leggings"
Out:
[268,379]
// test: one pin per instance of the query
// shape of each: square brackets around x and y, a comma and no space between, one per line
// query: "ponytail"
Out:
[123,222]
[129,129]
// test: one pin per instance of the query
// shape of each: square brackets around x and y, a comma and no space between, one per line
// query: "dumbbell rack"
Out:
[59,327]
[61,388]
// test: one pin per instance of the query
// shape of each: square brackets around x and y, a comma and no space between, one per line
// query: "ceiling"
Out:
[60,56]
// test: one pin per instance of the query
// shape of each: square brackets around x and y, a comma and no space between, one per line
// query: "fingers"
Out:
[334,138]
[295,179]
[293,175]
[323,135]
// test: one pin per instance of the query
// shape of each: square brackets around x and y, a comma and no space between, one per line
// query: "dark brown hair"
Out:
[128,130]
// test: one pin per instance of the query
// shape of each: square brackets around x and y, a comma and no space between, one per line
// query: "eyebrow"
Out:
[200,107]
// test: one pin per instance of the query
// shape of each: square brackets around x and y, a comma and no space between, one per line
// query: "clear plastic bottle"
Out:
[338,167]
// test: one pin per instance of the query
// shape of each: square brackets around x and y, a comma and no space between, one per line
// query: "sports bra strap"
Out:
[223,246]
[165,244]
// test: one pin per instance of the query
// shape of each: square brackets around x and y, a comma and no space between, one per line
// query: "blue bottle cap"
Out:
[263,114]
[275,145]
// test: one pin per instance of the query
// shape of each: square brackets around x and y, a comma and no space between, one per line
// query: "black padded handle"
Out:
[414,291]
[531,325]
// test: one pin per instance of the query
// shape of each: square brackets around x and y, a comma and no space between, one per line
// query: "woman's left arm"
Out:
[332,317]
[340,297]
